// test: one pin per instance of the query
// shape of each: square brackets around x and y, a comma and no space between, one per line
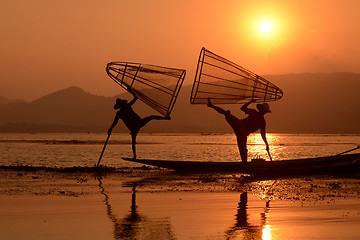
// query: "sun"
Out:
[266,27]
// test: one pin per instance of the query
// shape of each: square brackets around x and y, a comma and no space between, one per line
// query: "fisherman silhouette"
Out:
[131,120]
[243,127]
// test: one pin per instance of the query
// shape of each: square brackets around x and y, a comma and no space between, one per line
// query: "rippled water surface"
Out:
[67,150]
[183,216]
[42,204]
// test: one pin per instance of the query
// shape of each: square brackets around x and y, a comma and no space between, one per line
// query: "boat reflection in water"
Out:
[243,229]
[135,225]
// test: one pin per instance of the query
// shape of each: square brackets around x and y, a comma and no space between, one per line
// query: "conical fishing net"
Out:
[156,86]
[225,82]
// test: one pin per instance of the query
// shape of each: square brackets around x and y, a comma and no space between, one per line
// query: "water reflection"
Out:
[134,225]
[243,229]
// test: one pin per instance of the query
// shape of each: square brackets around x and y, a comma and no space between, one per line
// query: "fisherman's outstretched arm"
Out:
[245,108]
[116,119]
[135,97]
[134,100]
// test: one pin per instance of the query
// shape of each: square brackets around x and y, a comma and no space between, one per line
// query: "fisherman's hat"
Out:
[264,106]
[119,102]
[267,107]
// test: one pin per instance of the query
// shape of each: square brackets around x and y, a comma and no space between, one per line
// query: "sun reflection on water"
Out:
[266,232]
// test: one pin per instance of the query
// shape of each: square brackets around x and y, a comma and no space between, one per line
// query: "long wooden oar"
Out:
[333,156]
[346,151]
[102,152]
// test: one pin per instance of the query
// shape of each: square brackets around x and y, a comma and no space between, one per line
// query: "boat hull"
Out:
[349,163]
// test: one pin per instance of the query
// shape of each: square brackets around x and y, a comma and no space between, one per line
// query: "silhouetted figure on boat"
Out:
[243,127]
[132,121]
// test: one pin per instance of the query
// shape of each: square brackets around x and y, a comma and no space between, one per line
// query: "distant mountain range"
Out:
[4,100]
[312,103]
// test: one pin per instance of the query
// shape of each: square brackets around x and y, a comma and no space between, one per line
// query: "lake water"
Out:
[74,149]
[112,212]
[81,149]
[45,205]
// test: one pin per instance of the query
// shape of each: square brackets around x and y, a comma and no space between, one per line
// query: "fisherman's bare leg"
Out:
[139,125]
[218,109]
[242,141]
[145,120]
[133,142]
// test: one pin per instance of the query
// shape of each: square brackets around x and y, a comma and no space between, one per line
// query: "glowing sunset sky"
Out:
[47,45]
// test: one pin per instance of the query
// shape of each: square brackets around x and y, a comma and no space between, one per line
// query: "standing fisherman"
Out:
[243,127]
[131,120]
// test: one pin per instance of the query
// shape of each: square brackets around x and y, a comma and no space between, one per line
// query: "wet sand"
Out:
[149,203]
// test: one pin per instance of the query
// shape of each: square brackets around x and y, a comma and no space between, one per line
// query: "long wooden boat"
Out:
[339,164]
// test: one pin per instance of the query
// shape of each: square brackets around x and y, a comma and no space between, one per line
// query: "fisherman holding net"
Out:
[156,86]
[131,120]
[243,127]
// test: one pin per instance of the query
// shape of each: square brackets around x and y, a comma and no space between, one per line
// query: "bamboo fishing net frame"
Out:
[156,86]
[225,82]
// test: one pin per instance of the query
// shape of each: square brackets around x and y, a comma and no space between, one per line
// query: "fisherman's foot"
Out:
[164,118]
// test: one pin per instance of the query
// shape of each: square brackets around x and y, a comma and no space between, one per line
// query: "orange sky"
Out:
[47,45]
